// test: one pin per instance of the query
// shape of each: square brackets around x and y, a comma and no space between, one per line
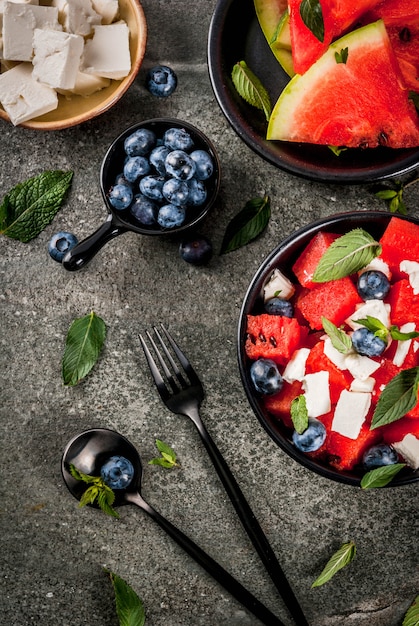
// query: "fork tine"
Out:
[192,375]
[169,357]
[158,379]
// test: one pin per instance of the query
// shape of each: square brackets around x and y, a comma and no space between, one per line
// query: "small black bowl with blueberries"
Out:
[160,177]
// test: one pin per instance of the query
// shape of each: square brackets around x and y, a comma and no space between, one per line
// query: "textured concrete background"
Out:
[52,554]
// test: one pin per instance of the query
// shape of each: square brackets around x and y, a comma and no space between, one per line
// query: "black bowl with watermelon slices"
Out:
[235,35]
[340,458]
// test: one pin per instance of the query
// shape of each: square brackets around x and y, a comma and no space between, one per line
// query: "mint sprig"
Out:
[250,88]
[398,397]
[342,56]
[97,493]
[247,225]
[299,414]
[381,476]
[168,456]
[84,342]
[312,16]
[381,331]
[337,561]
[340,340]
[129,607]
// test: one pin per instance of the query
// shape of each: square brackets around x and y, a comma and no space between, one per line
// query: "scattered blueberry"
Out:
[197,251]
[265,376]
[120,196]
[158,159]
[366,343]
[180,165]
[161,81]
[144,210]
[171,216]
[178,139]
[312,438]
[373,285]
[279,306]
[379,455]
[140,143]
[197,192]
[135,167]
[204,166]
[121,180]
[152,187]
[176,191]
[117,472]
[60,244]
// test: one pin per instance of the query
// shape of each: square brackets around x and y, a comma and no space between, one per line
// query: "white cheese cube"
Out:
[24,98]
[107,9]
[379,265]
[296,366]
[334,355]
[373,308]
[364,386]
[408,448]
[350,412]
[403,347]
[85,85]
[107,53]
[56,58]
[360,366]
[412,270]
[278,285]
[317,393]
[79,16]
[19,22]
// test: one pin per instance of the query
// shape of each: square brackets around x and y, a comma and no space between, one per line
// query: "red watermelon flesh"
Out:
[279,405]
[396,431]
[404,303]
[396,12]
[345,452]
[399,242]
[307,262]
[273,337]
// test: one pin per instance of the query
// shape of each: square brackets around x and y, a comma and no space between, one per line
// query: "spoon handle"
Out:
[209,564]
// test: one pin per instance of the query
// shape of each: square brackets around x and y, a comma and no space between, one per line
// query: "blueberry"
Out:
[144,210]
[204,165]
[197,251]
[178,139]
[312,438]
[180,165]
[120,196]
[279,306]
[176,191]
[158,157]
[366,343]
[60,244]
[379,455]
[171,216]
[135,167]
[265,376]
[121,180]
[373,285]
[197,192]
[161,81]
[152,187]
[140,143]
[117,472]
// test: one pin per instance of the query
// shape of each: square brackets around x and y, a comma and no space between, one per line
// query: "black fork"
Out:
[182,392]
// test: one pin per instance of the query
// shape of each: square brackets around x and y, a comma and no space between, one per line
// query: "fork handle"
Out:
[221,575]
[251,524]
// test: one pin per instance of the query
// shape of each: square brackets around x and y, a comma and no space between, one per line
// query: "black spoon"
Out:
[89,450]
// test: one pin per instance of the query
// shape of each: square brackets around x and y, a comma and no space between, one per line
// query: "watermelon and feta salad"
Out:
[354,70]
[333,352]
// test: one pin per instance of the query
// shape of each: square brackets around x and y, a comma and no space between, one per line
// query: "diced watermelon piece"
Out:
[335,300]
[396,431]
[382,376]
[338,380]
[345,453]
[279,405]
[307,262]
[399,242]
[404,303]
[273,337]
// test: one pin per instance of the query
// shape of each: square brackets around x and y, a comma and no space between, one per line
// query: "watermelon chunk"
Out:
[399,242]
[306,264]
[279,405]
[345,453]
[396,431]
[360,103]
[335,300]
[404,303]
[273,337]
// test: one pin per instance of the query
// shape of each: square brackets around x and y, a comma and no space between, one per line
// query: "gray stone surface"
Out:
[52,554]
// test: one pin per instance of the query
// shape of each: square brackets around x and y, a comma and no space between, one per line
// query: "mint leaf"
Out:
[129,607]
[346,255]
[98,492]
[342,56]
[337,150]
[381,476]
[299,414]
[312,16]
[412,616]
[397,334]
[340,340]
[398,397]
[376,326]
[168,456]
[84,343]
[340,559]
[250,88]
[247,225]
[30,206]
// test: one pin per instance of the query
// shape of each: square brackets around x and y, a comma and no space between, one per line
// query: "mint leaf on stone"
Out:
[248,224]
[30,206]
[337,561]
[85,339]
[168,456]
[412,615]
[129,607]
[250,88]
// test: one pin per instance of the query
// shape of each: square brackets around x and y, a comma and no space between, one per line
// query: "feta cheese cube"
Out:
[373,308]
[378,265]
[334,355]
[412,270]
[408,448]
[317,393]
[363,386]
[296,366]
[23,97]
[107,9]
[107,53]
[403,347]
[56,58]
[360,366]
[278,285]
[78,16]
[85,85]
[19,22]
[350,412]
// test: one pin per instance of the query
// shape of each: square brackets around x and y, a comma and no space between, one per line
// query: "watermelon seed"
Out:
[405,35]
[273,341]
[262,337]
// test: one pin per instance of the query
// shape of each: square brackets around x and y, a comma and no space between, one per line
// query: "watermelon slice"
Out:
[274,21]
[360,103]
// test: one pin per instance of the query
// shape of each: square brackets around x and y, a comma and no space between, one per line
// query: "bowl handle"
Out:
[83,252]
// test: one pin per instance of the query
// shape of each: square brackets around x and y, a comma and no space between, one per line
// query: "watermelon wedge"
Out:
[358,103]
[274,21]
